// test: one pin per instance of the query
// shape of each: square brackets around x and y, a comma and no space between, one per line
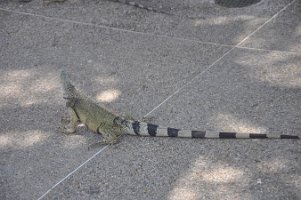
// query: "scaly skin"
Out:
[82,109]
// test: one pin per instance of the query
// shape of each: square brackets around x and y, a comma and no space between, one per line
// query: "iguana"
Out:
[82,109]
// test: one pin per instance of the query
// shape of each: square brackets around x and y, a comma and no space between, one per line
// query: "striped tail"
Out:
[146,129]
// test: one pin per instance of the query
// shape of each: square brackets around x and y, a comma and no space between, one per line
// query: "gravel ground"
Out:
[191,64]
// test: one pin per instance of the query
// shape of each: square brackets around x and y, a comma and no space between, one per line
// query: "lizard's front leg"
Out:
[69,122]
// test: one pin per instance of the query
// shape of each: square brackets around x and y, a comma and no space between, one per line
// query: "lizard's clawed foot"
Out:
[100,143]
[65,130]
[96,144]
[110,141]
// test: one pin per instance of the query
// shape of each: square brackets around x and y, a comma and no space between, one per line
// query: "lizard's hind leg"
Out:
[110,133]
[69,122]
[109,137]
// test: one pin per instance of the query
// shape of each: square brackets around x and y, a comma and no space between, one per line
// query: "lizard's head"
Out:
[70,95]
[69,90]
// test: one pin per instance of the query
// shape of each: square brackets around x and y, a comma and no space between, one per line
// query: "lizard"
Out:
[83,109]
